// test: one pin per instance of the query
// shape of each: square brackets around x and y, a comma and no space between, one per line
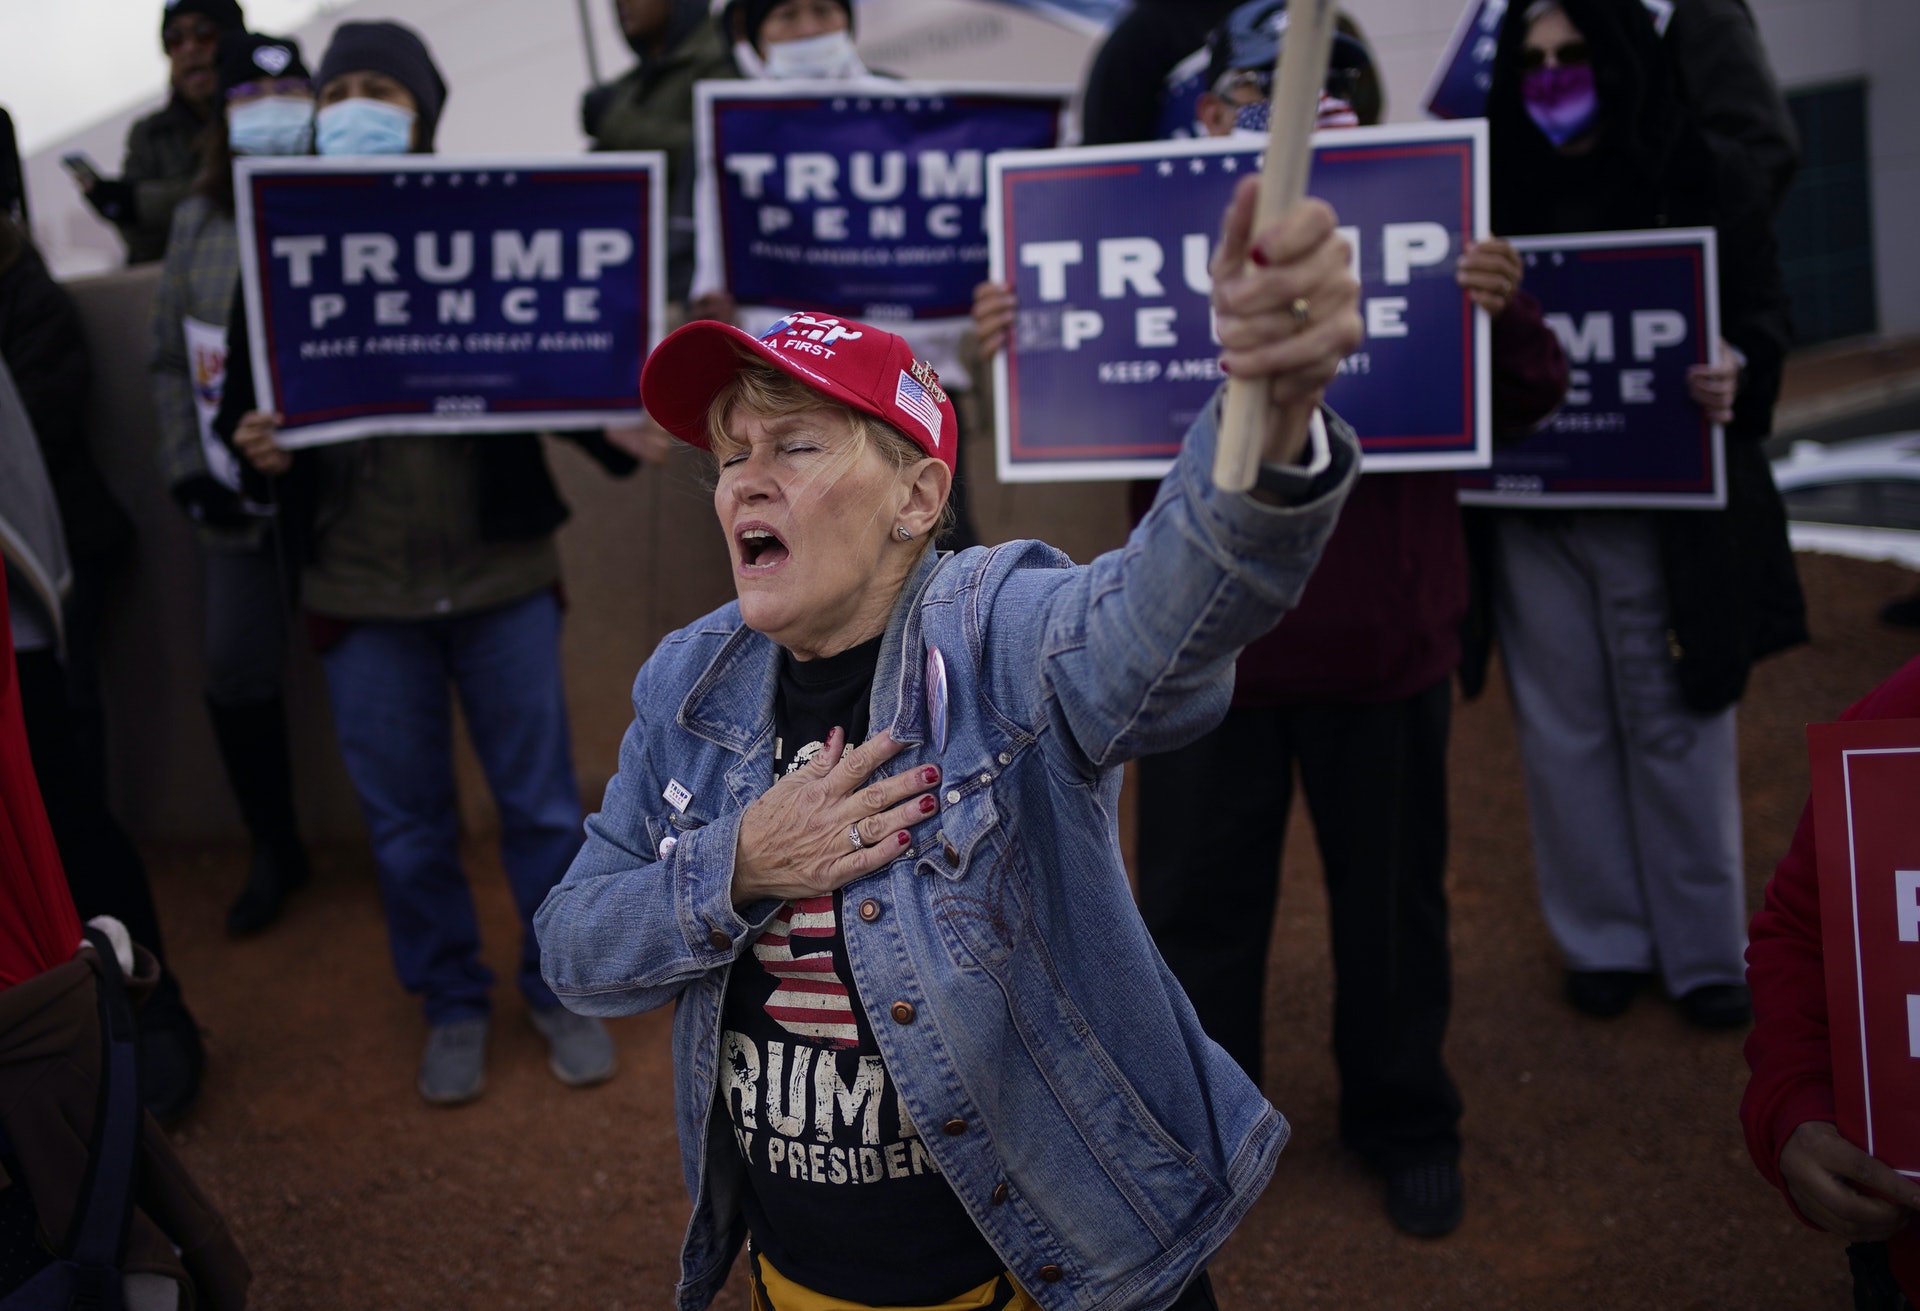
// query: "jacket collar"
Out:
[731,703]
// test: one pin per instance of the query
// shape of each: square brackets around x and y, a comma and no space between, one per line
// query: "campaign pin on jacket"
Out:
[677,796]
[937,698]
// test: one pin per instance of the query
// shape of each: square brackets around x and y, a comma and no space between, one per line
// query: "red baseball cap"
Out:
[855,364]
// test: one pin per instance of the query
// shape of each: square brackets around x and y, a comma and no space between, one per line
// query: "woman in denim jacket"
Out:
[924,1050]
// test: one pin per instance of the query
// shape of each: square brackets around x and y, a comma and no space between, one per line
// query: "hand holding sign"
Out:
[1257,285]
[1827,1175]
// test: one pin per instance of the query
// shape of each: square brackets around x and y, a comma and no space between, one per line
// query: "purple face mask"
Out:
[1561,101]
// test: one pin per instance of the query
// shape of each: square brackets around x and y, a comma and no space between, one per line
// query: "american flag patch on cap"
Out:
[910,396]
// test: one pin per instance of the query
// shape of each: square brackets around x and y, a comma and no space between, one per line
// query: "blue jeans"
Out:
[395,723]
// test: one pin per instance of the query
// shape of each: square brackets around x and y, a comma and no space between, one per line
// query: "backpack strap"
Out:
[101,1220]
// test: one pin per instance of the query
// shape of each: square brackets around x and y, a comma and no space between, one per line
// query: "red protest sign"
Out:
[1866,807]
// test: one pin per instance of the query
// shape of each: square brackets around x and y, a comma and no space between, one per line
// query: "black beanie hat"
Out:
[754,12]
[398,52]
[250,57]
[225,14]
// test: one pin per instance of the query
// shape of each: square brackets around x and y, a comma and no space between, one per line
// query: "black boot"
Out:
[253,744]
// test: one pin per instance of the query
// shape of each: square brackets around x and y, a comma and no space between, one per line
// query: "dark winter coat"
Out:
[1733,595]
[45,348]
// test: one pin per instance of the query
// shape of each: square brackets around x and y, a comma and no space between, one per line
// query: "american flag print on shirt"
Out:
[812,1000]
[911,397]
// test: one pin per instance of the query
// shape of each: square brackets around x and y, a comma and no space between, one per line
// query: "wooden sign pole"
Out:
[1298,78]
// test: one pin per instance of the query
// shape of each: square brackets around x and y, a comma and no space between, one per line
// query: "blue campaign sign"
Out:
[1465,72]
[864,200]
[417,294]
[1084,15]
[1634,311]
[1112,354]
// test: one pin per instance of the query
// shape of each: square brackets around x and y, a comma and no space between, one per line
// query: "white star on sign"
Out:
[453,179]
[1230,164]
[913,106]
[1166,168]
[399,179]
[509,179]
[886,106]
[482,179]
[840,105]
[863,105]
[1196,166]
[1532,259]
[1558,259]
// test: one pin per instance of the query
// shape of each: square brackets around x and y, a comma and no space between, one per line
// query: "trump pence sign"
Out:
[419,294]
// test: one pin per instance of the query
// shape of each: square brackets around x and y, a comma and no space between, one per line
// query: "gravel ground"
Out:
[1604,1161]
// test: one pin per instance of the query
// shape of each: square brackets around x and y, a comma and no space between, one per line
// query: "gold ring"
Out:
[1300,310]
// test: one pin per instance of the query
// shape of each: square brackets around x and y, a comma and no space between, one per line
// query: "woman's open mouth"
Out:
[761,549]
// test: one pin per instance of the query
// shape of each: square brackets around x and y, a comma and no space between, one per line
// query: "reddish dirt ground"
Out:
[1604,1161]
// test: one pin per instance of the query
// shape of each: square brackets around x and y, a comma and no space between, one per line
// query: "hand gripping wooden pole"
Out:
[1298,77]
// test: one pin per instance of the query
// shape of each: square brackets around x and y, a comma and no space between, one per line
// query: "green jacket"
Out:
[651,108]
[162,162]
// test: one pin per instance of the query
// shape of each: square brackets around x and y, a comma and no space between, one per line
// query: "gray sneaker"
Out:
[582,1049]
[453,1068]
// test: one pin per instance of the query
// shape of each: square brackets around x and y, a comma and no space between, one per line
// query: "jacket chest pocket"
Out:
[976,875]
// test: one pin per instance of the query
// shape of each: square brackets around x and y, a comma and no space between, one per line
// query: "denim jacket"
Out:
[1102,1143]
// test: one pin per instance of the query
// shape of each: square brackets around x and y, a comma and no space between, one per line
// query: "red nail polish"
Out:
[1258,256]
[928,805]
[931,774]
[904,839]
[1224,369]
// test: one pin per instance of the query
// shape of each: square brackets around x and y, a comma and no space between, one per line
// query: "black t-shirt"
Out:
[844,1198]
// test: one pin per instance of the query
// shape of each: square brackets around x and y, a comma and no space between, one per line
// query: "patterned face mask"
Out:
[1561,101]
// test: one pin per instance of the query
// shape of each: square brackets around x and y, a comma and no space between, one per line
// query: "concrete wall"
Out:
[642,557]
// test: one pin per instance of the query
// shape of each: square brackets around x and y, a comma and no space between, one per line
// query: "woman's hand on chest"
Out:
[830,822]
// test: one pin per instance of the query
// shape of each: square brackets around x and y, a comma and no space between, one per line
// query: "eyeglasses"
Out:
[1341,83]
[180,34]
[283,86]
[1572,54]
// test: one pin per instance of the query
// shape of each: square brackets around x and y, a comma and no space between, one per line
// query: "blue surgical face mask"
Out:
[273,125]
[364,127]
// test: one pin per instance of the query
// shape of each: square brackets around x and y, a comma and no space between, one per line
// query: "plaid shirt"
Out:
[202,271]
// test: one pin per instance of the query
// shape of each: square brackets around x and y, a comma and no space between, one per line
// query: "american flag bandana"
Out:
[913,399]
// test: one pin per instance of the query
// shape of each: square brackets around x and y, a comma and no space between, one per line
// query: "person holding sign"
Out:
[1354,686]
[1789,1107]
[862,832]
[1627,635]
[267,108]
[429,563]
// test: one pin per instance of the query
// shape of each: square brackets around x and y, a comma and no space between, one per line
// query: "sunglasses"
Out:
[1572,54]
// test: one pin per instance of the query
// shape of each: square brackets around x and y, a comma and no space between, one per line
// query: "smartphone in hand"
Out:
[81,167]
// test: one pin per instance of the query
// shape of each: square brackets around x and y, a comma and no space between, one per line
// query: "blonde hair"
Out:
[759,388]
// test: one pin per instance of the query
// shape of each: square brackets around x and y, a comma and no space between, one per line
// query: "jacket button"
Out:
[1000,1193]
[947,850]
[720,940]
[1051,1274]
[869,910]
[953,796]
[1005,758]
[1674,650]
[902,1012]
[955,1128]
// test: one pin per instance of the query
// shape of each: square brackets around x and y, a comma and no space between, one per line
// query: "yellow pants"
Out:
[773,1291]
